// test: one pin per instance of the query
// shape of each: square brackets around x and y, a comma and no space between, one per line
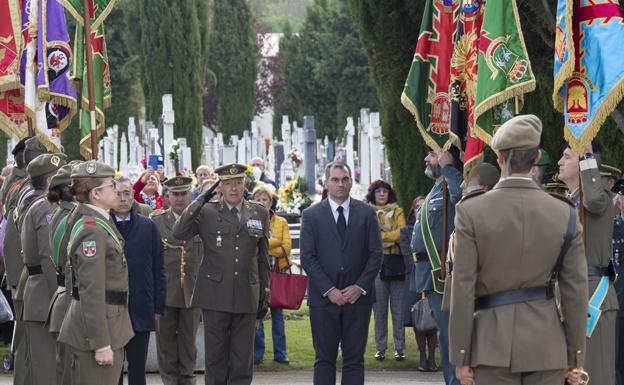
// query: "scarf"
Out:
[385,217]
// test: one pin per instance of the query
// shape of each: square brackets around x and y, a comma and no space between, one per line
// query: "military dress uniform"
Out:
[232,280]
[59,236]
[176,330]
[98,314]
[598,211]
[504,319]
[40,284]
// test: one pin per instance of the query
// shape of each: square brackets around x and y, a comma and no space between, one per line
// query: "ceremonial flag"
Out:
[12,117]
[464,70]
[426,91]
[101,83]
[53,63]
[99,10]
[589,66]
[504,68]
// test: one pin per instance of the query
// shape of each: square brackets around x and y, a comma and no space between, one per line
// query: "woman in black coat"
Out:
[146,276]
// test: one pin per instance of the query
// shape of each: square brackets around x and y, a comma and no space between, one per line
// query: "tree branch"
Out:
[618,118]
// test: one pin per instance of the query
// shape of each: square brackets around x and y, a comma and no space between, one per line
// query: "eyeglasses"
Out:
[124,194]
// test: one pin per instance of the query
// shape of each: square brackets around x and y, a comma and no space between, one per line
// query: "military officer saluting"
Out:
[97,325]
[597,211]
[511,242]
[233,278]
[177,328]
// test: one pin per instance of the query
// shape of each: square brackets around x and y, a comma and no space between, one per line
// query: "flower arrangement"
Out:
[293,198]
[295,157]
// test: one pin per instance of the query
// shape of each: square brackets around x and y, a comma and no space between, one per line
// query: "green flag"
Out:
[101,83]
[504,68]
[426,92]
[99,10]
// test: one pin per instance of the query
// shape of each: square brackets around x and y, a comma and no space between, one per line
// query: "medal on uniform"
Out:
[219,241]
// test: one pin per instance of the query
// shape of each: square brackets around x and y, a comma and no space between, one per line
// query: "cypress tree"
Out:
[233,58]
[389,31]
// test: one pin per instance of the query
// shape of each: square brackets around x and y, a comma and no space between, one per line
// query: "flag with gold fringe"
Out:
[426,93]
[588,66]
[463,87]
[98,10]
[504,68]
[13,120]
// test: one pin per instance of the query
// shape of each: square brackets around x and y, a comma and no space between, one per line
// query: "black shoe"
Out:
[399,356]
[284,361]
[431,367]
[380,355]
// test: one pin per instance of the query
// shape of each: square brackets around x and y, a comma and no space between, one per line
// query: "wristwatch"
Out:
[588,155]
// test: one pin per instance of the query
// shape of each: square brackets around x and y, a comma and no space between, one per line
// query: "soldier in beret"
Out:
[504,325]
[40,278]
[596,210]
[176,330]
[97,325]
[233,279]
[541,167]
[61,198]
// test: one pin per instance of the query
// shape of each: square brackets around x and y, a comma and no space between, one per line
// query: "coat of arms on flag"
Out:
[88,248]
[588,69]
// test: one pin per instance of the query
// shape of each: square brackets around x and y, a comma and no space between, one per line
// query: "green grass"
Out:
[301,353]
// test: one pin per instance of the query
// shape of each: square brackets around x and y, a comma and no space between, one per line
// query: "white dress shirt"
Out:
[345,209]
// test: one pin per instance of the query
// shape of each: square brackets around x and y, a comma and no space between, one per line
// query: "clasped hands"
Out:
[104,356]
[349,294]
[575,376]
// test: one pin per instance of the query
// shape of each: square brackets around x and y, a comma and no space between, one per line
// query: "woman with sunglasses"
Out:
[390,280]
[97,325]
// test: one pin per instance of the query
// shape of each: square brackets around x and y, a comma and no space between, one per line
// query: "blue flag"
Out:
[589,66]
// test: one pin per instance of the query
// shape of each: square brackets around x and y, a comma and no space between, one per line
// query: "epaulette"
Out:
[561,198]
[472,194]
[157,213]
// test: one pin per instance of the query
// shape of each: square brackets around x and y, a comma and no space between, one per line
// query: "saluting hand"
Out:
[445,158]
[336,297]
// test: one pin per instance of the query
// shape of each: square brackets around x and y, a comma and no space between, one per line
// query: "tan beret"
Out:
[521,132]
[45,163]
[92,169]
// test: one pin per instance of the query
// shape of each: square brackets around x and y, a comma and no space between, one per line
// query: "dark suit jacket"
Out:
[330,262]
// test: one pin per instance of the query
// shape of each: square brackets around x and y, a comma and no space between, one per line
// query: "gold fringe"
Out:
[10,85]
[566,70]
[429,141]
[472,163]
[11,129]
[48,143]
[609,103]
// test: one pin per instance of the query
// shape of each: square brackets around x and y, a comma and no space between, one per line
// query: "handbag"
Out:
[422,316]
[287,290]
[392,268]
[6,314]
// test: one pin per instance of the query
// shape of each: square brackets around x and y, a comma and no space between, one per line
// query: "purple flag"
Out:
[54,60]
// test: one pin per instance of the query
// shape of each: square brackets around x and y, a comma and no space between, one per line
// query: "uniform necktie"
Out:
[342,223]
[234,212]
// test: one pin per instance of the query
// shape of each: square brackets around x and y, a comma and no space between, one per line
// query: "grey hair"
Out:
[122,179]
[336,164]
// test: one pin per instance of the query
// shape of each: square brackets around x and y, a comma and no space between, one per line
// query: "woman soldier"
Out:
[60,196]
[97,325]
[40,284]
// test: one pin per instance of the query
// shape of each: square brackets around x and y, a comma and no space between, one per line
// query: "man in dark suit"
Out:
[341,253]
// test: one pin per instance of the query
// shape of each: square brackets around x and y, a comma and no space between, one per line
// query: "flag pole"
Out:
[31,131]
[89,59]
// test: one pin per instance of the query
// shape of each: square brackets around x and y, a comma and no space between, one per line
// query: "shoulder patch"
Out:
[89,248]
[472,194]
[561,198]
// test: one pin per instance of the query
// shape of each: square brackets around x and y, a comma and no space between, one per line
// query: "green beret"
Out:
[34,144]
[544,158]
[92,169]
[45,163]
[178,184]
[521,132]
[62,176]
[488,174]
[231,171]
